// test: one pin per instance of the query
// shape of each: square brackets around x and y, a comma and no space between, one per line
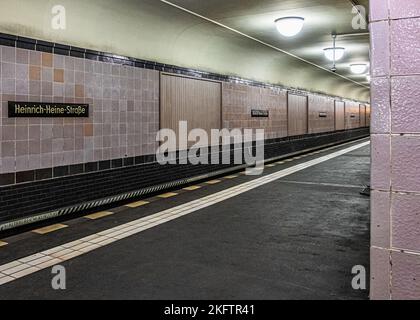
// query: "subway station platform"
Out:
[295,232]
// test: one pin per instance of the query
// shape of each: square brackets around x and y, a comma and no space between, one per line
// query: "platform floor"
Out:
[296,237]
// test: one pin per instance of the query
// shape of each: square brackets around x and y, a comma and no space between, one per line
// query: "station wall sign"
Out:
[260,113]
[47,110]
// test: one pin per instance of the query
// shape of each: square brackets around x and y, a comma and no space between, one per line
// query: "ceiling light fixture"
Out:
[334,54]
[358,68]
[290,26]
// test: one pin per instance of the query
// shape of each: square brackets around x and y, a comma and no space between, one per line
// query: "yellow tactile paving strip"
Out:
[49,229]
[211,182]
[137,204]
[168,195]
[99,215]
[192,188]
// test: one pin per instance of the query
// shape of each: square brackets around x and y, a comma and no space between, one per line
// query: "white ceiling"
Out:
[255,18]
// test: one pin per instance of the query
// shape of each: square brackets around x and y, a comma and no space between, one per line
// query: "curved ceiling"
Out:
[255,18]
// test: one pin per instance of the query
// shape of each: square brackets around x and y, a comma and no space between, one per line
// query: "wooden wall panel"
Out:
[297,115]
[321,114]
[352,115]
[340,117]
[239,100]
[196,101]
[362,115]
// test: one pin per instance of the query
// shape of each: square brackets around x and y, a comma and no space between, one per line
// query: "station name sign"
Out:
[260,113]
[47,110]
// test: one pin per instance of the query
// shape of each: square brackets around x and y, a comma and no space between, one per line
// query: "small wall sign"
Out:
[47,110]
[260,113]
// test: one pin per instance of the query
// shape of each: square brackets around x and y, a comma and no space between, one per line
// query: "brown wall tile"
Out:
[34,72]
[88,130]
[79,91]
[47,60]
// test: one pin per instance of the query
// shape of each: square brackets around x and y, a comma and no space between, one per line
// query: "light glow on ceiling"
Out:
[358,68]
[290,26]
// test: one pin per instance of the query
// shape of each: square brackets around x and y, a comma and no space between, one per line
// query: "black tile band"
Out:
[81,168]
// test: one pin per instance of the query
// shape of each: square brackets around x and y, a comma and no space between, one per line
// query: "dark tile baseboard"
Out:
[8,179]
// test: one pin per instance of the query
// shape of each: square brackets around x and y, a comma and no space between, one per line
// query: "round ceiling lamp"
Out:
[358,68]
[290,26]
[335,53]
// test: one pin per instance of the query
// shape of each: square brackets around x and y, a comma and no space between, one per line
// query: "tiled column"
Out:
[395,65]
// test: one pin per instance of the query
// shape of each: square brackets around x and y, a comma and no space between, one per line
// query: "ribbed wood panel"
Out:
[239,100]
[352,115]
[362,115]
[297,115]
[340,118]
[321,114]
[368,111]
[196,101]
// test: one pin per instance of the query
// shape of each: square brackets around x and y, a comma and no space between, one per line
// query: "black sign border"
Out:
[12,113]
[260,113]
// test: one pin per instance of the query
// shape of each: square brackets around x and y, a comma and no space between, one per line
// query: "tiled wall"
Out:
[123,94]
[239,100]
[318,105]
[123,114]
[395,253]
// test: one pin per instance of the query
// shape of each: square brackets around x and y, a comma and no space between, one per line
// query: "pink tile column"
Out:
[395,252]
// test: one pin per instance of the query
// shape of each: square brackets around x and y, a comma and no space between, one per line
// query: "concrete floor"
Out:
[294,238]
